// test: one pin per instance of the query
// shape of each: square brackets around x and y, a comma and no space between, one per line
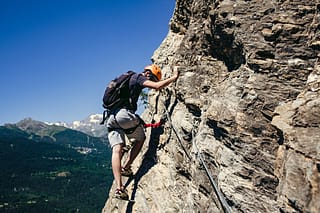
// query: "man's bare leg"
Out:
[116,164]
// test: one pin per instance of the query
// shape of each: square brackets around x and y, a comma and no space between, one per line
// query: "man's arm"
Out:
[163,83]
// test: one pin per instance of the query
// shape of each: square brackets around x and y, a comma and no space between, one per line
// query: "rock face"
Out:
[246,107]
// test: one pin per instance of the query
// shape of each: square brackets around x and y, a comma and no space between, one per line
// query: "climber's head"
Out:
[153,72]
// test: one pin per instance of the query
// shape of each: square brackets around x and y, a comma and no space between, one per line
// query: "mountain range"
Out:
[90,125]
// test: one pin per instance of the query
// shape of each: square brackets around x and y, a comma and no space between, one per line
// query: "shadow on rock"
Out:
[149,160]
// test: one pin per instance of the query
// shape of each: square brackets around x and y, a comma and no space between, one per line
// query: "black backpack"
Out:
[117,93]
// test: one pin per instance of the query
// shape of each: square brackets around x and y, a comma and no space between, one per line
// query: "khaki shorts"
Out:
[124,119]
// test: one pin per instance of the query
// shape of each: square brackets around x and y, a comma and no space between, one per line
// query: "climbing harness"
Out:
[154,125]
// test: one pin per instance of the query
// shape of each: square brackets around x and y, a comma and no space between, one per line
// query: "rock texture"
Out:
[247,104]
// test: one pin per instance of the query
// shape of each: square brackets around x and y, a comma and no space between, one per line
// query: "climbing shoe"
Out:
[126,172]
[121,194]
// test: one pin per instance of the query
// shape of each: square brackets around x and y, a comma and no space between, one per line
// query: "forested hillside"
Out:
[59,170]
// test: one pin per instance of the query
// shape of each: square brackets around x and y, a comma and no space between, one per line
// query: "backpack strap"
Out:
[104,116]
[134,92]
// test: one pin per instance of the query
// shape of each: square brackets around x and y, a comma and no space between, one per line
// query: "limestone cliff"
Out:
[246,107]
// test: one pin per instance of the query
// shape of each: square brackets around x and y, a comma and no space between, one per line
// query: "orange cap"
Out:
[155,69]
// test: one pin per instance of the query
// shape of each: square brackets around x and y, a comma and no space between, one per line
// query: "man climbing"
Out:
[124,122]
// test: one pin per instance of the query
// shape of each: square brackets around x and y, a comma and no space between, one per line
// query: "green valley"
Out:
[59,170]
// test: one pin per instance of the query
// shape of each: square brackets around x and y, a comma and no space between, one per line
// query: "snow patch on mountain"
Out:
[90,125]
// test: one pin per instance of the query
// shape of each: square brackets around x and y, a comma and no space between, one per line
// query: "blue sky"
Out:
[56,56]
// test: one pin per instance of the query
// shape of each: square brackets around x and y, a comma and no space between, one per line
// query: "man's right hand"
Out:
[176,72]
